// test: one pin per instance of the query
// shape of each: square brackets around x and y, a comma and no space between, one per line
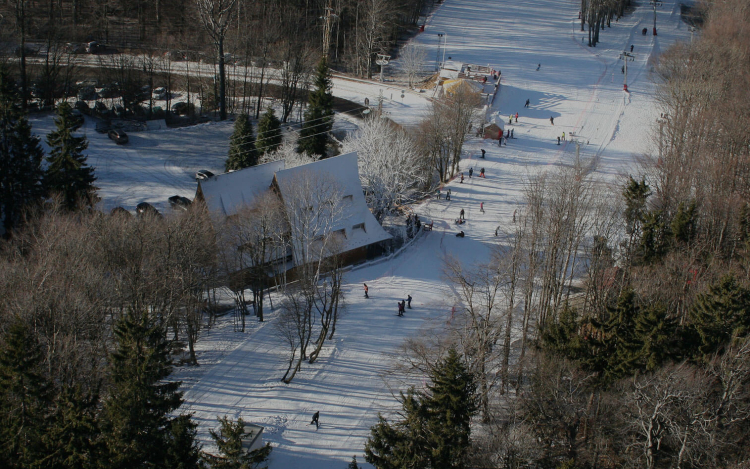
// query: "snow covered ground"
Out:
[580,87]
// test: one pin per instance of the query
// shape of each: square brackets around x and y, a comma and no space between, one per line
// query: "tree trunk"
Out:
[222,84]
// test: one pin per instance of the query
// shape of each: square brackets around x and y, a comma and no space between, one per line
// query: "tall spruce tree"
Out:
[451,405]
[242,152]
[656,331]
[67,172]
[616,349]
[319,115]
[269,133]
[25,400]
[231,453]
[72,439]
[721,314]
[136,420]
[20,157]
[435,431]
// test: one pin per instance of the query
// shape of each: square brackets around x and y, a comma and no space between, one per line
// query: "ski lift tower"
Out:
[655,3]
[329,17]
[626,57]
[382,61]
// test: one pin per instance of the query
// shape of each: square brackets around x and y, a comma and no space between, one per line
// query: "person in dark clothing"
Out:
[631,47]
[462,178]
[481,172]
[483,152]
[538,66]
[552,120]
[471,172]
[511,133]
[461,215]
[408,301]
[316,415]
[401,308]
[527,103]
[366,291]
[448,195]
[460,234]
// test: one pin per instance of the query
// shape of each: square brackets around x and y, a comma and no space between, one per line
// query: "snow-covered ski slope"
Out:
[580,87]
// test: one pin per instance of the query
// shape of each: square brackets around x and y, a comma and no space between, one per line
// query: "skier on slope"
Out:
[471,172]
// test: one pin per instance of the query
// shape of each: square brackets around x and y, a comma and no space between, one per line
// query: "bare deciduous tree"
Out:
[216,16]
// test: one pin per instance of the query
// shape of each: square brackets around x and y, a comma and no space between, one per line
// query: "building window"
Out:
[340,232]
[359,226]
[348,198]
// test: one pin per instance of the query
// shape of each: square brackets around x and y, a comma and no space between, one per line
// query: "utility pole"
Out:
[437,58]
[654,3]
[626,57]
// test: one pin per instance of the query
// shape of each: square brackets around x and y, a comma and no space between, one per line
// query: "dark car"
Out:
[118,136]
[146,209]
[183,108]
[203,174]
[179,202]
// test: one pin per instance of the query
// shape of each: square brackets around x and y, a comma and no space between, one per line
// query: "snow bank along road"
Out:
[580,87]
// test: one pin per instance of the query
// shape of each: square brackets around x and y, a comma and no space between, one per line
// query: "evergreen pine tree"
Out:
[72,439]
[451,405]
[435,431]
[269,133]
[67,172]
[231,453]
[242,152]
[25,398]
[562,337]
[636,194]
[182,450]
[683,223]
[720,314]
[656,332]
[20,157]
[617,350]
[136,416]
[319,115]
[353,464]
[655,238]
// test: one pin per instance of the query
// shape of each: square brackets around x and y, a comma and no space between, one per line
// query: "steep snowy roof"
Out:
[360,228]
[227,193]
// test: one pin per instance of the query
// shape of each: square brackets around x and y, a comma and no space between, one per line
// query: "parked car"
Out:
[203,174]
[94,47]
[118,136]
[179,202]
[87,93]
[145,208]
[160,93]
[183,108]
